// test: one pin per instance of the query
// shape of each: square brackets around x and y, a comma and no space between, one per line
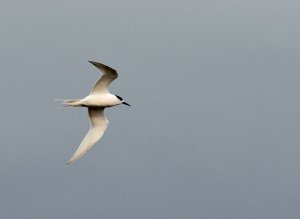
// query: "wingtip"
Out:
[72,159]
[102,66]
[76,157]
[94,63]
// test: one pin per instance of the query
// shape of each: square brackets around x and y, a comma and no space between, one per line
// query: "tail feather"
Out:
[65,102]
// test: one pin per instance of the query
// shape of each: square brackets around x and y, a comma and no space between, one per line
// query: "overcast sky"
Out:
[213,131]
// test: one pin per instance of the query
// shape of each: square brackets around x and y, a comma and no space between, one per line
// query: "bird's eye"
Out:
[120,98]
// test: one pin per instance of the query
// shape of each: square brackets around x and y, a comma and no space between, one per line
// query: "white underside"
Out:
[99,100]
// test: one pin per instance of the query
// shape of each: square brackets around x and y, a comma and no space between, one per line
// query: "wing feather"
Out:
[98,125]
[108,75]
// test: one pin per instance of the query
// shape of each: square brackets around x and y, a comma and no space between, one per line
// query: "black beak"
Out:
[125,103]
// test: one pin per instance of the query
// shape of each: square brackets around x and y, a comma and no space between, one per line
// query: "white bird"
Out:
[98,99]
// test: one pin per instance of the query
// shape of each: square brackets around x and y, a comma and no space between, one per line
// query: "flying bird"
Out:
[98,99]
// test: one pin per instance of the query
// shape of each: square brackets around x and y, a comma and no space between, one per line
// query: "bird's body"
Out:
[96,102]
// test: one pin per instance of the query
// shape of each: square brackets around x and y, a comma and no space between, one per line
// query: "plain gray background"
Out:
[214,128]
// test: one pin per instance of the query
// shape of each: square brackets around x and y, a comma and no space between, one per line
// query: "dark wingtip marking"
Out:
[99,66]
[94,63]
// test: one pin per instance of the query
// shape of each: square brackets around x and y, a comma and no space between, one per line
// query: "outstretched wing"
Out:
[98,125]
[109,74]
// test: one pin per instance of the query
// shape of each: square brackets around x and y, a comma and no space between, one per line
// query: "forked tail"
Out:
[73,102]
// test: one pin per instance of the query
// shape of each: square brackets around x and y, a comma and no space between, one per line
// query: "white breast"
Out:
[101,100]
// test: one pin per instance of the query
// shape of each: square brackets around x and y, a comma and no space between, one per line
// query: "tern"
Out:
[98,99]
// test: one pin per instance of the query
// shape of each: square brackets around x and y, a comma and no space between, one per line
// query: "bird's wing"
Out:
[109,74]
[98,125]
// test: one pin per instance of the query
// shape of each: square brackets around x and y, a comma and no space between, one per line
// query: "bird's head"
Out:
[122,101]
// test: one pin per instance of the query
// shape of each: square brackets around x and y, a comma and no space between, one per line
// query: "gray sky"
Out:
[213,131]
